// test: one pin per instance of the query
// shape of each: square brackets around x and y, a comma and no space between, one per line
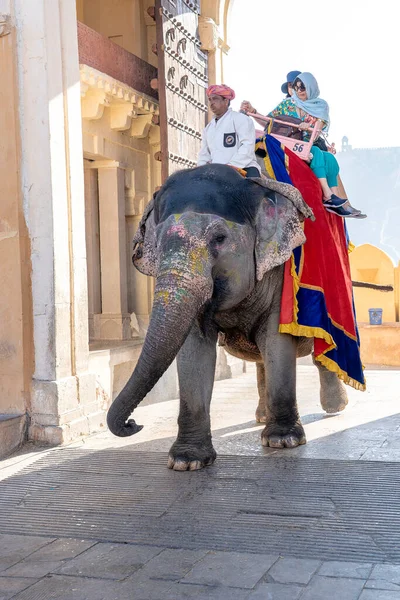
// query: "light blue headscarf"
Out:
[314,106]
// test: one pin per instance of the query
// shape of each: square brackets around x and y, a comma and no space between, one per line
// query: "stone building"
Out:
[80,142]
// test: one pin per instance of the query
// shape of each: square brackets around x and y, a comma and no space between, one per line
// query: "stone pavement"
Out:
[88,522]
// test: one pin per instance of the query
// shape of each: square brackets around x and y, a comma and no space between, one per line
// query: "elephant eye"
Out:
[220,238]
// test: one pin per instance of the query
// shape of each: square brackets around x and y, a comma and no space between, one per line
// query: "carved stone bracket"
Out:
[154,135]
[140,126]
[5,25]
[93,104]
[129,109]
[121,116]
[208,33]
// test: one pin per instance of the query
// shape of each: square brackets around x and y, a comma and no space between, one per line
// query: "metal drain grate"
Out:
[337,510]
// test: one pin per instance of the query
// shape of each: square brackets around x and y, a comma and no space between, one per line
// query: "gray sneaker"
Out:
[340,212]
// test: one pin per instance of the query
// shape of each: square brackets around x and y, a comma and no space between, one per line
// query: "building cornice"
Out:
[129,108]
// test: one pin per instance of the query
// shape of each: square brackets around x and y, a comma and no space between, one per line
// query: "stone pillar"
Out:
[63,392]
[114,321]
[92,244]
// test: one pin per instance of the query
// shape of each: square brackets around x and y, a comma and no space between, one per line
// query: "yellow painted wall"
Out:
[369,264]
[122,21]
[16,345]
[380,344]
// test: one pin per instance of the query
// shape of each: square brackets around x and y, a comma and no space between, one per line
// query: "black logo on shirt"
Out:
[229,140]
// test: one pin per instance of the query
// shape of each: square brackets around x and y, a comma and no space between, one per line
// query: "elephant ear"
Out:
[144,243]
[278,232]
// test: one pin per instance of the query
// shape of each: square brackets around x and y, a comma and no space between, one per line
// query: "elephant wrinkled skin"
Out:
[217,243]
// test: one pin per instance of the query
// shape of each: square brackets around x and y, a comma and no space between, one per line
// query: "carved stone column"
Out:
[114,321]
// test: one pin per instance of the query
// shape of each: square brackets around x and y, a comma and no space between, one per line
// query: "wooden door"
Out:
[182,83]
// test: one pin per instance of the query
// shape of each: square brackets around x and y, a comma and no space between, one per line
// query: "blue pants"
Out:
[324,164]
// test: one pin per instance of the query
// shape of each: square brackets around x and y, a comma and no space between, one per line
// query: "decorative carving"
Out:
[200,74]
[5,25]
[151,11]
[140,126]
[121,116]
[208,33]
[99,90]
[183,82]
[170,35]
[181,46]
[93,104]
[154,135]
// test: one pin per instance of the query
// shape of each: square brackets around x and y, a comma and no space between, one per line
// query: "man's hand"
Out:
[247,107]
[303,126]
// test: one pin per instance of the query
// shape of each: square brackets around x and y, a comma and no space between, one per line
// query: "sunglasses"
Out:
[298,86]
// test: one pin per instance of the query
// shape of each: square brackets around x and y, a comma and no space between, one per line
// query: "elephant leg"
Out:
[261,411]
[333,395]
[283,427]
[196,359]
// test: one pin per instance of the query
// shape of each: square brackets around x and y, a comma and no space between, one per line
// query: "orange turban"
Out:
[221,90]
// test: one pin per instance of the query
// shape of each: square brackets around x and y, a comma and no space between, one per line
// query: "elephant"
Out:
[216,244]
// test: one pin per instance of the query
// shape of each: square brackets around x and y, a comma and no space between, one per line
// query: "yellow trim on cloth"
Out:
[294,328]
[268,166]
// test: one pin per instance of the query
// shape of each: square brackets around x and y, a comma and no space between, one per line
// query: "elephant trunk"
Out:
[177,302]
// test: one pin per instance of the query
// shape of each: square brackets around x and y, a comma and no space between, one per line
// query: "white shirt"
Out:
[230,140]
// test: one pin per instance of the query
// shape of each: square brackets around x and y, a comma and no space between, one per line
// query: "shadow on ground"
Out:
[279,502]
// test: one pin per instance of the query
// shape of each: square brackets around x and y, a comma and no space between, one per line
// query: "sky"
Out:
[352,47]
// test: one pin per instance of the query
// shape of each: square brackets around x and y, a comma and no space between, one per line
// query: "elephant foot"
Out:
[333,395]
[186,457]
[333,403]
[283,436]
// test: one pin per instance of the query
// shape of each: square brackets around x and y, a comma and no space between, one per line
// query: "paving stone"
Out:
[334,568]
[110,561]
[276,591]
[183,591]
[232,569]
[293,570]
[32,568]
[172,564]
[141,587]
[379,595]
[385,577]
[14,548]
[62,549]
[339,588]
[380,584]
[56,587]
[9,586]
